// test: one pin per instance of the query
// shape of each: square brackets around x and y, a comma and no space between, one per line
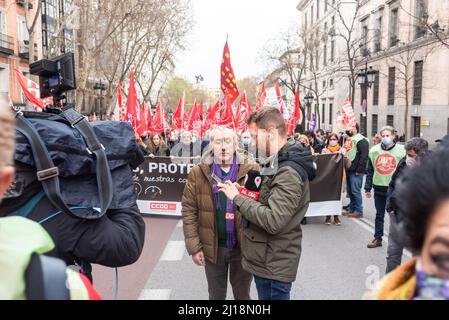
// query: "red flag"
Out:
[132,107]
[160,122]
[198,120]
[281,104]
[295,115]
[31,91]
[188,121]
[228,81]
[121,105]
[226,115]
[346,120]
[179,115]
[143,126]
[148,117]
[261,98]
[243,111]
[212,116]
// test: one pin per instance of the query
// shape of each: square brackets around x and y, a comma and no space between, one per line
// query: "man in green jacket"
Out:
[271,244]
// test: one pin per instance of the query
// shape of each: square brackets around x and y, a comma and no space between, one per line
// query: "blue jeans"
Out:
[354,186]
[268,289]
[380,202]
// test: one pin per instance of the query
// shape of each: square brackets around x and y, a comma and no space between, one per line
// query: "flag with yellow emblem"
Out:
[228,81]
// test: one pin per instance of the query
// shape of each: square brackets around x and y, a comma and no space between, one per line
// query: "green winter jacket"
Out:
[271,243]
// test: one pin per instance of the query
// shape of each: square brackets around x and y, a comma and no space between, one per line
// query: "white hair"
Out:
[387,128]
[218,129]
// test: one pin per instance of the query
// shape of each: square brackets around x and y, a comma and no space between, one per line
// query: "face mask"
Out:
[430,287]
[194,139]
[411,162]
[333,143]
[246,142]
[387,141]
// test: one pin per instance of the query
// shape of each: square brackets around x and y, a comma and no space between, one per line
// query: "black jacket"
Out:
[391,194]
[114,240]
[293,154]
[358,165]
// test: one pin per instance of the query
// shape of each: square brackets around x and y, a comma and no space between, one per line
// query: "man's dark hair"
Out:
[309,133]
[321,131]
[357,127]
[268,117]
[420,194]
[419,145]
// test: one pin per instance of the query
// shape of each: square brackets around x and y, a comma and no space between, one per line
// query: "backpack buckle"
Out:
[47,174]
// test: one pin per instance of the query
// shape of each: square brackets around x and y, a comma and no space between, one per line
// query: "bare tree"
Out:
[31,23]
[429,23]
[354,46]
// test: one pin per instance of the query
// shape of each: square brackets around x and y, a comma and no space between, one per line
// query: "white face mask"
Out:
[194,139]
[333,143]
[411,162]
[387,141]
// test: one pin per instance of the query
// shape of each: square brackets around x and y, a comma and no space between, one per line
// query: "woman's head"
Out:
[304,140]
[333,140]
[156,139]
[424,212]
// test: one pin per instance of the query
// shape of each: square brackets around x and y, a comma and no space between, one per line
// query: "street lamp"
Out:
[365,78]
[100,87]
[309,99]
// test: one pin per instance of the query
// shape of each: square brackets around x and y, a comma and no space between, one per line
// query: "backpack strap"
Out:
[46,279]
[47,173]
[104,178]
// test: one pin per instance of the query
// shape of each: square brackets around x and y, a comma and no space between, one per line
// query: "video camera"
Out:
[56,76]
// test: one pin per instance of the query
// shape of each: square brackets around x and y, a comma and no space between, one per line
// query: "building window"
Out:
[378,35]
[391,85]
[376,90]
[374,125]
[417,82]
[390,121]
[325,54]
[364,44]
[416,127]
[325,5]
[311,15]
[331,83]
[333,20]
[420,18]
[317,9]
[331,106]
[394,26]
[3,23]
[324,84]
[332,50]
[323,113]
[363,125]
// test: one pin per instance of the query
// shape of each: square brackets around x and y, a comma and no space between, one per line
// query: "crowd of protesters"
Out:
[243,238]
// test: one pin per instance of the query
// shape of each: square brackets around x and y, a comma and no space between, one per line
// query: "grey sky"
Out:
[249,23]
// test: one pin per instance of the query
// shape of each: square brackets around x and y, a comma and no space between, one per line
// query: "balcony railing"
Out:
[6,44]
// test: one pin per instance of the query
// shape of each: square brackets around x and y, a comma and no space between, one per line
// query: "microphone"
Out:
[253,182]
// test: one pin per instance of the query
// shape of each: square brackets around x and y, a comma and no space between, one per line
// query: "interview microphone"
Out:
[253,182]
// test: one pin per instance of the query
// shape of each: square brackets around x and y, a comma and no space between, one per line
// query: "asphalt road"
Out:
[335,263]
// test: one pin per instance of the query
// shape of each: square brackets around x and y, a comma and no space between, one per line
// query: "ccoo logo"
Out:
[385,164]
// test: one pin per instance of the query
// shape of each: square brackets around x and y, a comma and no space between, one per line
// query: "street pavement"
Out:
[335,263]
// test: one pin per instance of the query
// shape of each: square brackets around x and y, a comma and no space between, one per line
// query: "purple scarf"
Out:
[230,215]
